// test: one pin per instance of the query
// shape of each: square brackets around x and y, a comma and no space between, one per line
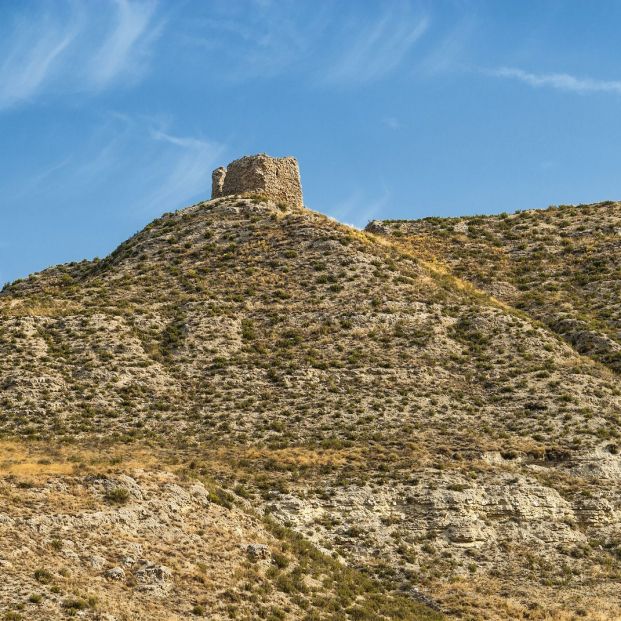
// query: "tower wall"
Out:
[276,177]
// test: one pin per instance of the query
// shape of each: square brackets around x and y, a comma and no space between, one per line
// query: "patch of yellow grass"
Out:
[36,459]
[302,456]
[21,308]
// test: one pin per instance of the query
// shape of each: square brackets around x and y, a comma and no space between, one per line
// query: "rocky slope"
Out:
[101,544]
[562,265]
[397,417]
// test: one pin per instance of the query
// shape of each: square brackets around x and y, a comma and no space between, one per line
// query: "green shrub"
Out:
[118,495]
[43,576]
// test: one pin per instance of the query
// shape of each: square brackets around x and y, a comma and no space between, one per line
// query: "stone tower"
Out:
[276,177]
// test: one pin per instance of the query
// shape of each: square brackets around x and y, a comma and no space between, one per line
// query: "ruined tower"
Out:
[276,177]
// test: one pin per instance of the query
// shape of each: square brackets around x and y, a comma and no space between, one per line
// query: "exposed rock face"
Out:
[276,177]
[375,226]
[257,551]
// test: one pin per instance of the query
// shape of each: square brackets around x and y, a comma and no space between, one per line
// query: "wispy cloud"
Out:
[376,49]
[38,181]
[324,43]
[185,143]
[129,161]
[260,39]
[559,81]
[30,55]
[126,44]
[186,173]
[449,51]
[76,47]
[358,209]
[391,122]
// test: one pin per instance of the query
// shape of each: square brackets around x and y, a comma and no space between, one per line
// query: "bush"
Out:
[75,603]
[280,560]
[43,576]
[118,495]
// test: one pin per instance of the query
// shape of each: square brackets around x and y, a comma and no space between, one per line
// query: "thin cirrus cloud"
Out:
[30,56]
[154,169]
[345,48]
[128,162]
[127,44]
[265,42]
[559,81]
[375,49]
[69,47]
[358,209]
[185,173]
[449,51]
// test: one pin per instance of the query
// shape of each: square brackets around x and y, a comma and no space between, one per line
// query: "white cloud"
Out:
[160,170]
[331,44]
[32,52]
[127,161]
[37,182]
[127,42]
[186,143]
[77,47]
[391,122]
[261,41]
[449,51]
[560,81]
[375,49]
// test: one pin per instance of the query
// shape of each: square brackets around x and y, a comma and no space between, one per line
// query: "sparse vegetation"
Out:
[365,393]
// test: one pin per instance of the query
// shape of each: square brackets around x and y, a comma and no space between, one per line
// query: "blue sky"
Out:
[114,111]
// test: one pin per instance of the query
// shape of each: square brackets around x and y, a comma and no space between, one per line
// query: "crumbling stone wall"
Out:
[217,181]
[276,177]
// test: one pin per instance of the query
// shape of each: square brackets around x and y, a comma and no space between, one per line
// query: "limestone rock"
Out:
[154,579]
[376,226]
[97,562]
[217,178]
[116,573]
[257,551]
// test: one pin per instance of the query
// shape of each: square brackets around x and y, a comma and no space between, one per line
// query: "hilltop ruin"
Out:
[276,177]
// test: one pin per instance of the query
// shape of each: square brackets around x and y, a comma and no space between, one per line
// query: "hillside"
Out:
[401,420]
[561,265]
[99,543]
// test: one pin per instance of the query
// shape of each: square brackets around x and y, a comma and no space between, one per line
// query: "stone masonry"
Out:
[276,177]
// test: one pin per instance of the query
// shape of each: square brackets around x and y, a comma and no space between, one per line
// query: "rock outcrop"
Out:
[276,177]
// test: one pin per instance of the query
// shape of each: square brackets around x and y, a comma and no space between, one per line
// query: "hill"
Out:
[561,265]
[399,419]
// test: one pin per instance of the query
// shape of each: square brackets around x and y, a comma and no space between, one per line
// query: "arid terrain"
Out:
[251,411]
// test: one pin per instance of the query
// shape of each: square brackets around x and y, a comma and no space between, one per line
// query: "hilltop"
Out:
[359,388]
